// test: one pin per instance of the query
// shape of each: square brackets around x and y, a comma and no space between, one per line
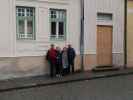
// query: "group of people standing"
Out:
[61,61]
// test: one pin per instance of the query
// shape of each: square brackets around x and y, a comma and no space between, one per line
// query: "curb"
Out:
[65,81]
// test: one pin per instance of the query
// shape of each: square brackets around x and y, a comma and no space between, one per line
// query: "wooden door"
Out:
[104,45]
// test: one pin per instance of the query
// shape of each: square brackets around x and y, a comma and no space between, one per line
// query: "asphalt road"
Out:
[113,88]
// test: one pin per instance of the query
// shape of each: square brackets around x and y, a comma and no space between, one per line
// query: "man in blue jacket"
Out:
[71,57]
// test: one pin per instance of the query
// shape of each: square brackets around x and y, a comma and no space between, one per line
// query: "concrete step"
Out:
[105,68]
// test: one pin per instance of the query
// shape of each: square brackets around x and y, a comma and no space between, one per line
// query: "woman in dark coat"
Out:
[58,61]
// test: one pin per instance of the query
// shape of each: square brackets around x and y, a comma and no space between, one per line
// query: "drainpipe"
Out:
[82,35]
[125,34]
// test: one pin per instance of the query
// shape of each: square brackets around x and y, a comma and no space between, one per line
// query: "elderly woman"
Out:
[58,61]
[65,61]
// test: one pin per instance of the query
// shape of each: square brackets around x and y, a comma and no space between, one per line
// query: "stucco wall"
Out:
[26,57]
[6,49]
[41,44]
[19,67]
[116,7]
[10,47]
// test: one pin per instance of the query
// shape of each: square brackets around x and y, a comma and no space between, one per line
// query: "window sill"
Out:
[25,39]
[57,39]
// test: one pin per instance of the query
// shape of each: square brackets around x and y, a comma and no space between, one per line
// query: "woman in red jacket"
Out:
[51,57]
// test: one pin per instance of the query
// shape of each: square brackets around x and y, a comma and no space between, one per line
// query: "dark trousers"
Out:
[59,68]
[71,66]
[65,71]
[52,69]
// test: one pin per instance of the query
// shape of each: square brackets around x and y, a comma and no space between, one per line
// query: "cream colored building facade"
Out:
[22,48]
[25,57]
[105,14]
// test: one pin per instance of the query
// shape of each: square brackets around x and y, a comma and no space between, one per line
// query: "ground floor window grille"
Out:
[25,22]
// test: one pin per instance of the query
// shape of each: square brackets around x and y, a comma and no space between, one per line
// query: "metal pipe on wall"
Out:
[82,35]
[125,34]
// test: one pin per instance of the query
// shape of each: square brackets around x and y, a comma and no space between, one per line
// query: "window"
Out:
[104,16]
[25,19]
[57,24]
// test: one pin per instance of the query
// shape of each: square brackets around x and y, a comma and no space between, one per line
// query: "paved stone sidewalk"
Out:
[38,81]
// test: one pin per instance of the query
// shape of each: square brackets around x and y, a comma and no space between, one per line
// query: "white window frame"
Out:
[104,16]
[57,20]
[25,35]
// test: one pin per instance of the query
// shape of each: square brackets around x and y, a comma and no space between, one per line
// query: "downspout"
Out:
[125,34]
[82,35]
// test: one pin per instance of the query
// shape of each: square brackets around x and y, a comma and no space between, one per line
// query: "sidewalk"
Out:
[38,81]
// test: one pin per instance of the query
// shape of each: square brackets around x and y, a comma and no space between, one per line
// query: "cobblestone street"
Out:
[113,88]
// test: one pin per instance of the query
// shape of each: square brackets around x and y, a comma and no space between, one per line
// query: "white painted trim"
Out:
[47,1]
[94,53]
[25,3]
[108,23]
